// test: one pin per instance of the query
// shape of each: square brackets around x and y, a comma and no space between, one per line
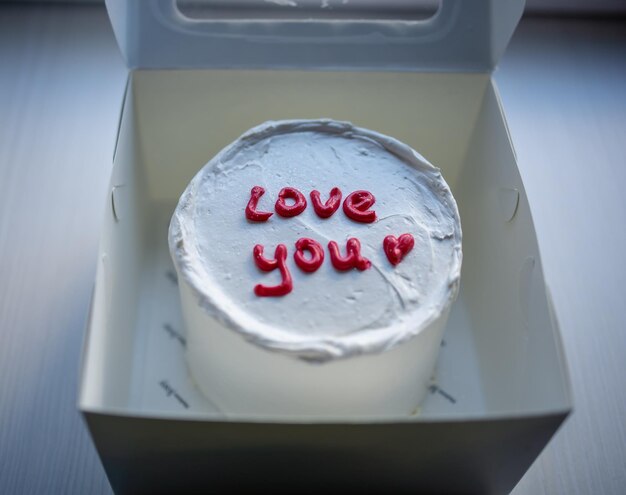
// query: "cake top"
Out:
[360,266]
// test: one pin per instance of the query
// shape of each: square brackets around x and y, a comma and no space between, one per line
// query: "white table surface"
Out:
[563,84]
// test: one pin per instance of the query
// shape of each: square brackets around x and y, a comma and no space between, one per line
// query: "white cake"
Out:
[319,333]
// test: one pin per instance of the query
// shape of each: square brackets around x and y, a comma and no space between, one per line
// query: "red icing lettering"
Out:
[285,210]
[325,210]
[311,264]
[357,206]
[353,258]
[251,211]
[267,265]
[397,249]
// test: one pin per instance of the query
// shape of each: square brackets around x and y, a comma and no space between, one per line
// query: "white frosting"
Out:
[329,314]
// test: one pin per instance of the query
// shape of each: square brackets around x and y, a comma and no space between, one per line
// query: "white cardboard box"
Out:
[501,385]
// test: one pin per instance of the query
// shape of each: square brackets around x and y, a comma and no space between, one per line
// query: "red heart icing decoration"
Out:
[397,248]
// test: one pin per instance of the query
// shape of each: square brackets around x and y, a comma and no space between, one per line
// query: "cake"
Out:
[317,265]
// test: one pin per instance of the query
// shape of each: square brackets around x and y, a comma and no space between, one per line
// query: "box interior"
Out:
[501,355]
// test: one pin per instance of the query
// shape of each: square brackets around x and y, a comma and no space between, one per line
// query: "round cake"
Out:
[317,264]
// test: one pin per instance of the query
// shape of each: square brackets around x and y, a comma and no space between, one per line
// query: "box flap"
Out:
[462,35]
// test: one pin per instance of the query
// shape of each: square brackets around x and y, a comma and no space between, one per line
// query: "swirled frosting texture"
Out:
[329,314]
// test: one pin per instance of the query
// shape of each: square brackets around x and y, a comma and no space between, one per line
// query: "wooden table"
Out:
[563,84]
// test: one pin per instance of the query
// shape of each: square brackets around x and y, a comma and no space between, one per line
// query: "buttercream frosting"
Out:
[329,314]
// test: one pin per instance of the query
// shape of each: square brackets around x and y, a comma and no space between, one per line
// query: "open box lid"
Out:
[461,35]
